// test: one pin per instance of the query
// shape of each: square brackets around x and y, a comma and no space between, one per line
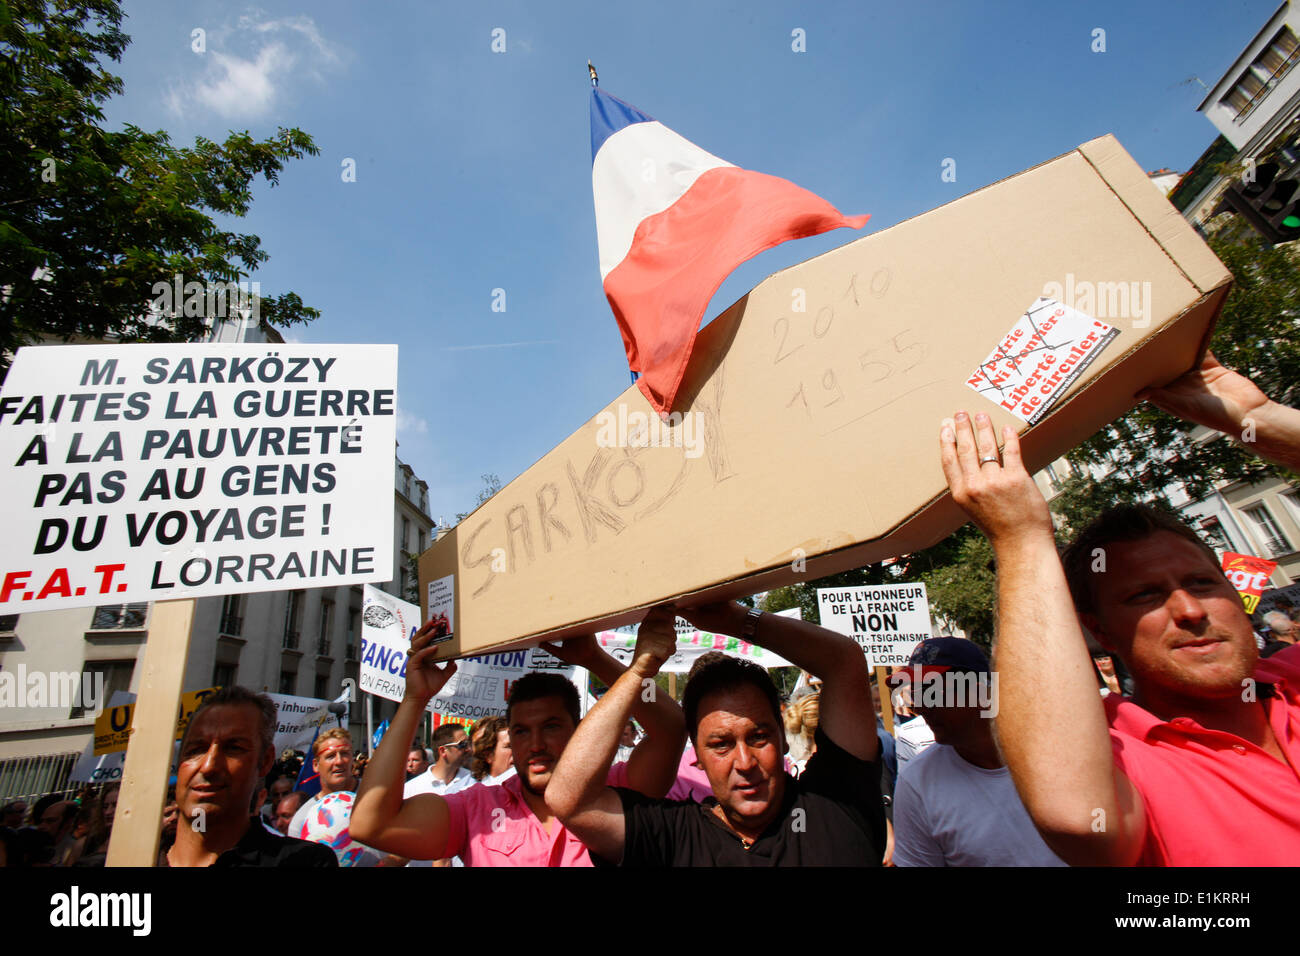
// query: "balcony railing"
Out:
[1271,82]
[124,617]
[232,624]
[290,642]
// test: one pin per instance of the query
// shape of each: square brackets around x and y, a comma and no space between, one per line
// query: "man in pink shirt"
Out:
[510,825]
[1202,765]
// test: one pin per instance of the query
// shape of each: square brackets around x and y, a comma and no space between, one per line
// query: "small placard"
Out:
[1036,362]
[442,608]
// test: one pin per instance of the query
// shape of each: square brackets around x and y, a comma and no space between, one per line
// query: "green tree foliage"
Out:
[1080,499]
[962,584]
[1257,335]
[91,219]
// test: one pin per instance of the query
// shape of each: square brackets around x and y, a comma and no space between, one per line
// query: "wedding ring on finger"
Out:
[985,459]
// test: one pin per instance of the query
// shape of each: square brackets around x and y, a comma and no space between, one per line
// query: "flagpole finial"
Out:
[592,70]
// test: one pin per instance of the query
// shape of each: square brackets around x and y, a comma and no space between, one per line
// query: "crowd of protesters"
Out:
[1132,714]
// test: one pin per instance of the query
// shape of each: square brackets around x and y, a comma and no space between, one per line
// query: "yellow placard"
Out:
[113,726]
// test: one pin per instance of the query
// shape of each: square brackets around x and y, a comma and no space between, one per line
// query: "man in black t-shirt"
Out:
[225,753]
[758,815]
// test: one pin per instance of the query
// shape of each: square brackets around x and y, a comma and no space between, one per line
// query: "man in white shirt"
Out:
[449,773]
[955,804]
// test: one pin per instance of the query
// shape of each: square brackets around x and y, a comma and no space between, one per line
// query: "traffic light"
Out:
[1269,202]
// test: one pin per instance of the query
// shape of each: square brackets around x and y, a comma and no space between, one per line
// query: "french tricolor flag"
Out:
[672,222]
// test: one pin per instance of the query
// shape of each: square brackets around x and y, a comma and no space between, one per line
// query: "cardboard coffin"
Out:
[809,442]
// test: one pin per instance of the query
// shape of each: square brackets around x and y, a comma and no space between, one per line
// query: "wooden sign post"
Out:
[886,699]
[137,828]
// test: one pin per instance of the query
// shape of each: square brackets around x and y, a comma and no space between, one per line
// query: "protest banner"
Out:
[887,620]
[691,645]
[143,473]
[481,685]
[160,472]
[387,626]
[1249,575]
[298,717]
[113,726]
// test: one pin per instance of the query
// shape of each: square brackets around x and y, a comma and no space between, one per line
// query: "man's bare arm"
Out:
[652,768]
[1227,401]
[577,793]
[1051,724]
[847,715]
[415,828]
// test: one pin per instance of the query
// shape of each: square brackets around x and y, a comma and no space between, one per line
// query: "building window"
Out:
[1262,75]
[231,620]
[1274,541]
[1292,499]
[223,675]
[292,620]
[288,681]
[322,689]
[354,623]
[421,542]
[8,623]
[117,676]
[406,535]
[111,617]
[1052,478]
[326,626]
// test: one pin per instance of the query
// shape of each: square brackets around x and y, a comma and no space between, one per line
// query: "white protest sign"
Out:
[387,626]
[888,620]
[1042,355]
[691,645]
[155,472]
[298,717]
[480,686]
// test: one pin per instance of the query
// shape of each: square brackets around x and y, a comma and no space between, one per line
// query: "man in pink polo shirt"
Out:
[510,825]
[1201,767]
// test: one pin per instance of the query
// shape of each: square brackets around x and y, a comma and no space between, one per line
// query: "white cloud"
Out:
[252,71]
[409,425]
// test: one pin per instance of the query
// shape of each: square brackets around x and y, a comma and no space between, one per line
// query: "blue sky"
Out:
[473,167]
